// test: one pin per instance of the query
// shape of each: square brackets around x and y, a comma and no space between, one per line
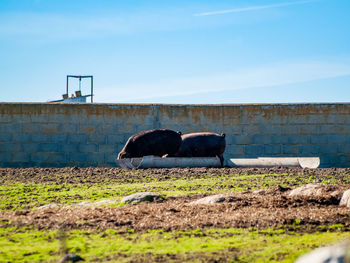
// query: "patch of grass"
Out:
[243,245]
[14,196]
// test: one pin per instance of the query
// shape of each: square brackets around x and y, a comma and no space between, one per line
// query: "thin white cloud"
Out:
[253,8]
[267,75]
[54,26]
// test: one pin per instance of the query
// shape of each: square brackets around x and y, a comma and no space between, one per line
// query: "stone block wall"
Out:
[57,135]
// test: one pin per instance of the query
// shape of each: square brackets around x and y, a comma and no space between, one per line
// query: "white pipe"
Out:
[303,162]
[170,162]
[183,162]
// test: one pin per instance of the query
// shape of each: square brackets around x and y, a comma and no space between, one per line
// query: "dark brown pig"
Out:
[203,144]
[156,142]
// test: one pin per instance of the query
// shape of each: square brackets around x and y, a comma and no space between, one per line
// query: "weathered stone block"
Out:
[88,148]
[10,127]
[5,137]
[329,148]
[317,118]
[306,150]
[250,129]
[40,137]
[106,148]
[48,147]
[279,139]
[344,148]
[96,158]
[335,118]
[272,150]
[234,130]
[8,147]
[234,150]
[5,156]
[30,128]
[115,139]
[262,139]
[50,128]
[125,128]
[334,129]
[319,139]
[78,157]
[329,159]
[254,150]
[77,138]
[56,158]
[39,118]
[19,157]
[58,138]
[97,138]
[69,148]
[38,157]
[21,137]
[308,129]
[30,147]
[7,118]
[270,129]
[242,139]
[88,129]
[338,138]
[110,159]
[69,128]
[107,129]
[290,129]
[298,139]
[292,150]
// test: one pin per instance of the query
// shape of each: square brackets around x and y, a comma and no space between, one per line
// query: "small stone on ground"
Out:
[71,257]
[213,199]
[345,199]
[313,190]
[141,197]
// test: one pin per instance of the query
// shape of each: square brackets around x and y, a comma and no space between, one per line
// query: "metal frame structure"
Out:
[82,77]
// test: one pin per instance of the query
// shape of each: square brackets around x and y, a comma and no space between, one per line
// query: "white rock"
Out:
[141,197]
[345,199]
[53,205]
[106,202]
[81,204]
[212,199]
[259,192]
[316,190]
[338,253]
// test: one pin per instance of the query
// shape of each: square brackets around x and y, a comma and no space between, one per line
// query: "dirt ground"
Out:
[101,175]
[271,208]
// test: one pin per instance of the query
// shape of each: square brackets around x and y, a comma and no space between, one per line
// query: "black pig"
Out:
[203,144]
[156,142]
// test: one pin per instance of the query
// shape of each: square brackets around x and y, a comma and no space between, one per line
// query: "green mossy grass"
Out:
[237,245]
[14,196]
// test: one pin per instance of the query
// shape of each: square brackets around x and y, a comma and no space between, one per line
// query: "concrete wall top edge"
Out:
[178,105]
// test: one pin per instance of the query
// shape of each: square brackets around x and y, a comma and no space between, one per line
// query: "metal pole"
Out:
[92,88]
[67,85]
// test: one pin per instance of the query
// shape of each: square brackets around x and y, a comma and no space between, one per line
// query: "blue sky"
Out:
[259,51]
